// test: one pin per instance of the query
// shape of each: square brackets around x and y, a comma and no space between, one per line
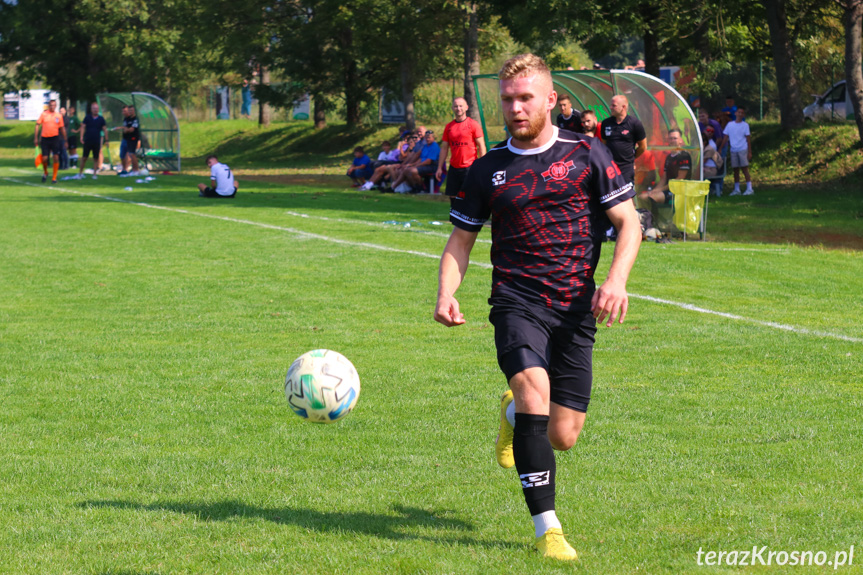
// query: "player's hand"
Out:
[438,174]
[35,141]
[447,311]
[610,300]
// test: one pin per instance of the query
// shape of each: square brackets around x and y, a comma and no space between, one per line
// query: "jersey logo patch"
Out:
[498,178]
[558,171]
[625,132]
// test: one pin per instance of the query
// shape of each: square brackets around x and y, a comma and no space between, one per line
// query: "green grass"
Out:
[144,428]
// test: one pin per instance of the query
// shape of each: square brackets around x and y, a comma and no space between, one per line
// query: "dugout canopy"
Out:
[657,104]
[160,132]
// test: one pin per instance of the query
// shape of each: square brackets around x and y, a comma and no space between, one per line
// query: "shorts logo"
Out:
[535,479]
[558,171]
[498,178]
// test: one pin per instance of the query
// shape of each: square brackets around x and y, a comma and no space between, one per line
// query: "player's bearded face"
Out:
[526,106]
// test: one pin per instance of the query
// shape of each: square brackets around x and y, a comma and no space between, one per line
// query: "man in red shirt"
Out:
[53,128]
[464,137]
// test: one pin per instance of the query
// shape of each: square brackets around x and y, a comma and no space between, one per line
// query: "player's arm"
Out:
[640,147]
[441,161]
[480,147]
[36,133]
[611,298]
[453,266]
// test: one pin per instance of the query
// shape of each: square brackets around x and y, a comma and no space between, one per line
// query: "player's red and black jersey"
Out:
[547,207]
[675,162]
[573,123]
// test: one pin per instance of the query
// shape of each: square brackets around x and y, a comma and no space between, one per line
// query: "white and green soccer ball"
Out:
[322,386]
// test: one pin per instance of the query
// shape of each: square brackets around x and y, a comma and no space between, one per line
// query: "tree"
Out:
[790,104]
[853,20]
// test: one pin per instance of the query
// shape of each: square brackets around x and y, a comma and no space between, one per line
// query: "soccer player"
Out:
[588,123]
[568,119]
[549,194]
[464,137]
[624,136]
[52,138]
[222,182]
[131,139]
[93,133]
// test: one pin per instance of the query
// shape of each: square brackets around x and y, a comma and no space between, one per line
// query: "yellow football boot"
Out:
[503,443]
[553,544]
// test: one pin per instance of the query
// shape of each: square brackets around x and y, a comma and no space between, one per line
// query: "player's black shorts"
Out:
[52,145]
[94,147]
[72,142]
[211,193]
[530,335]
[454,179]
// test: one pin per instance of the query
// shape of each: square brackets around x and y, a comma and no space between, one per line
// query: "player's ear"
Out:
[552,100]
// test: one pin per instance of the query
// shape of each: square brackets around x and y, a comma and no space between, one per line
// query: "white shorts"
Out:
[739,159]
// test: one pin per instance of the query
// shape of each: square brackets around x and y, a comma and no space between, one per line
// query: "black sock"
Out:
[534,460]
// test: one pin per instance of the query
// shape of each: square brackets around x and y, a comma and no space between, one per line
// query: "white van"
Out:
[834,104]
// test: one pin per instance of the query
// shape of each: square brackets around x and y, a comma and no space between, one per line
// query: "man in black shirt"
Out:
[624,135]
[131,139]
[550,194]
[568,119]
[678,165]
[93,133]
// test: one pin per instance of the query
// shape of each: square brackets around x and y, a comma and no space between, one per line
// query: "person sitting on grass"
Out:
[361,168]
[222,182]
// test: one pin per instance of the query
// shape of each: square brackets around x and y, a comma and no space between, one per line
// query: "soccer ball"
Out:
[322,386]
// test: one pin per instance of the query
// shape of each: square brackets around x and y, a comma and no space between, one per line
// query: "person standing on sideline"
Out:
[740,144]
[73,131]
[93,134]
[131,140]
[569,118]
[549,194]
[246,107]
[588,123]
[222,182]
[53,129]
[624,135]
[464,137]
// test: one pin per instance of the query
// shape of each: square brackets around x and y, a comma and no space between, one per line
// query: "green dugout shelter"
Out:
[160,132]
[659,107]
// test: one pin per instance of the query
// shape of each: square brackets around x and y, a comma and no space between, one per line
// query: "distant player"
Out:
[93,134]
[588,123]
[53,137]
[131,141]
[549,195]
[569,118]
[222,182]
[463,137]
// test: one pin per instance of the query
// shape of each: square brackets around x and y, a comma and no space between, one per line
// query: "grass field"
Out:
[145,335]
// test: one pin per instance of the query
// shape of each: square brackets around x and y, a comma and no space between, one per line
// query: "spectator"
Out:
[73,130]
[64,145]
[51,139]
[678,165]
[718,136]
[246,107]
[730,110]
[741,150]
[361,167]
[386,157]
[222,182]
[624,136]
[712,161]
[427,165]
[131,141]
[569,118]
[93,133]
[588,123]
[388,172]
[464,137]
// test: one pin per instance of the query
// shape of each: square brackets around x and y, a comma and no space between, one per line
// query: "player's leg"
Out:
[571,374]
[45,144]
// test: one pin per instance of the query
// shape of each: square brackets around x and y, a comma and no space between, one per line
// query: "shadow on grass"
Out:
[397,526]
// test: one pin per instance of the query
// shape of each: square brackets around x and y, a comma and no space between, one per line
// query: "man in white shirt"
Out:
[738,136]
[222,182]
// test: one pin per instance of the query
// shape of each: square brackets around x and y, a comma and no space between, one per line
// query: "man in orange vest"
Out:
[53,138]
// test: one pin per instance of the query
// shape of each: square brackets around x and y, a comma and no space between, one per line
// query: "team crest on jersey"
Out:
[558,170]
[625,132]
[498,178]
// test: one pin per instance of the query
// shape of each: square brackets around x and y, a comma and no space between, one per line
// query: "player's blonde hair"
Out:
[524,65]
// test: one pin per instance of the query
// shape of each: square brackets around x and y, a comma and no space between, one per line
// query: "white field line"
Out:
[378,225]
[486,265]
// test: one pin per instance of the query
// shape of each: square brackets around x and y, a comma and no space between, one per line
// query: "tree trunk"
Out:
[407,87]
[350,77]
[471,59]
[650,20]
[854,59]
[320,112]
[790,105]
[263,107]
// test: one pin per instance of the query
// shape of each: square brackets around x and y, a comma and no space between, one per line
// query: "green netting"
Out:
[659,107]
[160,132]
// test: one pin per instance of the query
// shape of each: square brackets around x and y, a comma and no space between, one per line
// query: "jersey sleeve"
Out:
[477,130]
[610,186]
[638,131]
[470,207]
[445,137]
[213,172]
